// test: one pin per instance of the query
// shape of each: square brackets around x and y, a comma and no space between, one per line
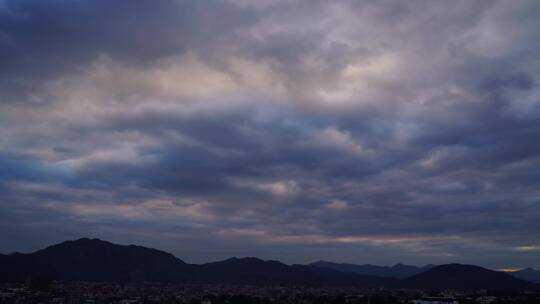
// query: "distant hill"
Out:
[528,274]
[458,276]
[256,271]
[398,271]
[95,260]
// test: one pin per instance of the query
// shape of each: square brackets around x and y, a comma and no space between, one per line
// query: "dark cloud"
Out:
[374,132]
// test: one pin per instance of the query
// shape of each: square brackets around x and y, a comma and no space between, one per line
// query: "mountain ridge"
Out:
[461,276]
[96,260]
[398,271]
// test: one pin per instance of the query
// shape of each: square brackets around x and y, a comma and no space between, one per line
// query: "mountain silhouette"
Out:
[96,260]
[256,271]
[528,274]
[458,276]
[398,271]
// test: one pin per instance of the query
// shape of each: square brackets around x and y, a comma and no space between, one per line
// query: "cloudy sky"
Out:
[355,131]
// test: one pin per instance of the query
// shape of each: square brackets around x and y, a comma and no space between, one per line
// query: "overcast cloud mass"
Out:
[355,131]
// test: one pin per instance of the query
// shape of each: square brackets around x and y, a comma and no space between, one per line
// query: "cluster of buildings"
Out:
[146,293]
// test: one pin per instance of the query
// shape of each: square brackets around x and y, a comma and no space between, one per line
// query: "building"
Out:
[436,300]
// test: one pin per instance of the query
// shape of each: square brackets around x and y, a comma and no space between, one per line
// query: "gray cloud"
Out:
[374,132]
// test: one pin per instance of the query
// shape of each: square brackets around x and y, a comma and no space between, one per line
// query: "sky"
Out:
[352,131]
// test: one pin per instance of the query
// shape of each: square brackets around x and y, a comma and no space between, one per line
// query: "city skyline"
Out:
[370,132]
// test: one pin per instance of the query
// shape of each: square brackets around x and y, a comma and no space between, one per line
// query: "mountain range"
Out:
[96,260]
[398,271]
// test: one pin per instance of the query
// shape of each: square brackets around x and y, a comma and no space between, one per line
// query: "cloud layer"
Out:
[374,131]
